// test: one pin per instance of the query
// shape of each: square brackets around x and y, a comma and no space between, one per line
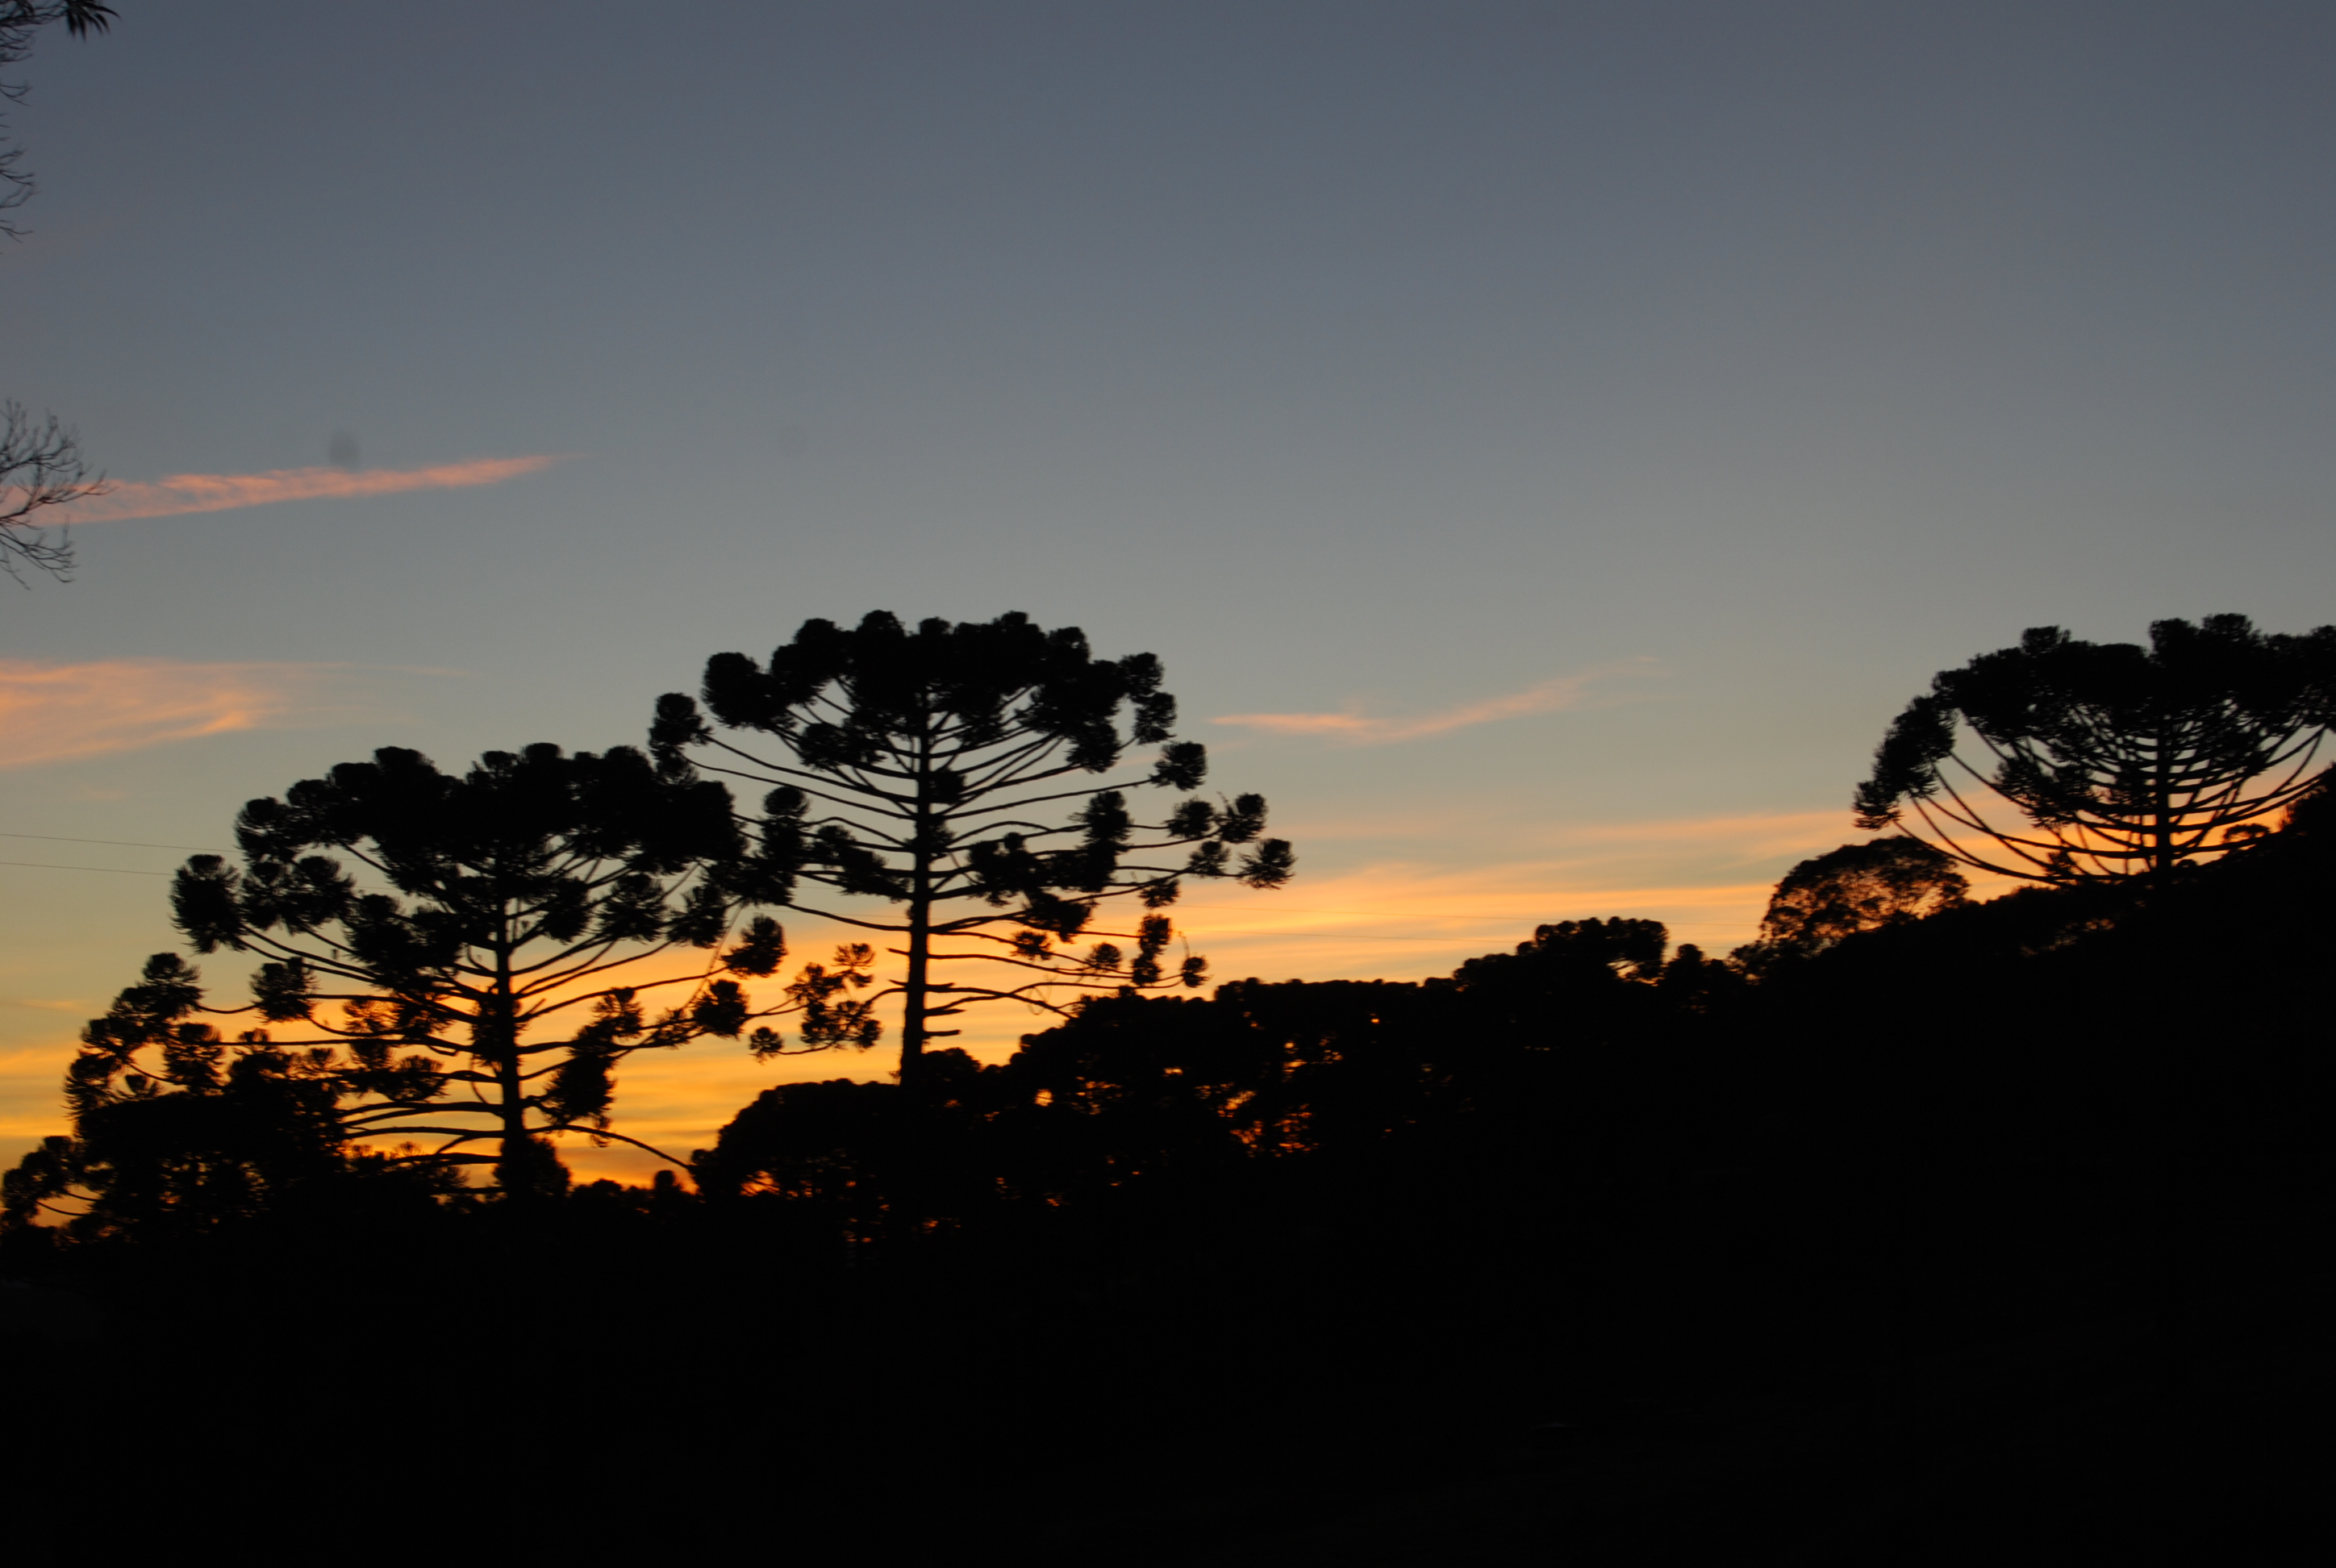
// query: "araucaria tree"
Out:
[937,769]
[2124,761]
[176,1130]
[468,957]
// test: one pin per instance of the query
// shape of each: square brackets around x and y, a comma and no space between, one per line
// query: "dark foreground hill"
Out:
[2000,1236]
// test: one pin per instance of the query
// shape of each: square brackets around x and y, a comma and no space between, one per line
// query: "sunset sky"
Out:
[1546,443]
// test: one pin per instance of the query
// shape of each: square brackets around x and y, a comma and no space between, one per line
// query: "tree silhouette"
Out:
[2124,761]
[1855,888]
[41,466]
[932,769]
[175,1130]
[19,21]
[477,975]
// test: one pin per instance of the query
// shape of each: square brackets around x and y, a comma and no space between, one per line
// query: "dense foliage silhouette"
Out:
[177,1132]
[2124,761]
[1855,888]
[932,769]
[468,967]
[1990,1231]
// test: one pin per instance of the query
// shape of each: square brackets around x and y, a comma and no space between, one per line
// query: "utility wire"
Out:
[53,866]
[126,843]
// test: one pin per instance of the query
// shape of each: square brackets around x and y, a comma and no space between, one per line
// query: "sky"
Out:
[1545,444]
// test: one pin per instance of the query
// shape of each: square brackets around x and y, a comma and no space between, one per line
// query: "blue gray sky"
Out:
[1576,429]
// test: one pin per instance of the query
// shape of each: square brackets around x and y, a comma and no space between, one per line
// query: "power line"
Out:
[53,866]
[126,843]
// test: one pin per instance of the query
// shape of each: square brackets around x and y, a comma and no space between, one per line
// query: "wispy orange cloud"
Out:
[1752,837]
[1356,729]
[56,712]
[186,493]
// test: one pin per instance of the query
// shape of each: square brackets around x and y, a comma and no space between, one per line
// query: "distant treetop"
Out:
[2124,761]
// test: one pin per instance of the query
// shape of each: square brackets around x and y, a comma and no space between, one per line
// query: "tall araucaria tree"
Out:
[2124,761]
[952,772]
[485,947]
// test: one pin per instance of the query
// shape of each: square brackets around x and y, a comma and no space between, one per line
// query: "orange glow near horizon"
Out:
[1707,878]
[1394,919]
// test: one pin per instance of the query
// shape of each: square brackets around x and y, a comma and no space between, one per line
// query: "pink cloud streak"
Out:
[53,713]
[189,492]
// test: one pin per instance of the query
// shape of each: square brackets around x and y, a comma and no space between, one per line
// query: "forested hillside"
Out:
[2006,1217]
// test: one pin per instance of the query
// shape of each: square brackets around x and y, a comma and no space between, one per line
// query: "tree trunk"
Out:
[920,944]
[913,1030]
[522,1170]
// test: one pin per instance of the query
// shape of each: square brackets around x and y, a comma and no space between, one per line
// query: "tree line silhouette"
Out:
[1671,1256]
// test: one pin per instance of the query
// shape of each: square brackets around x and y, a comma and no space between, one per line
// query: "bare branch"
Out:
[41,467]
